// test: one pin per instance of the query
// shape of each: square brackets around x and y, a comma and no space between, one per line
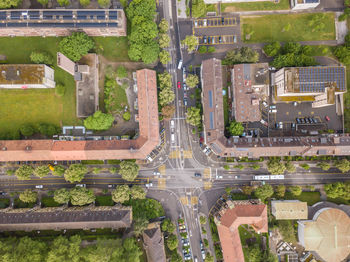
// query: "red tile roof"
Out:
[46,150]
[231,218]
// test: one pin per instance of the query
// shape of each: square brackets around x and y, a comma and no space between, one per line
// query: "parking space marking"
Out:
[174,154]
[161,169]
[161,183]
[187,153]
[215,39]
[207,185]
[184,201]
[194,200]
[215,22]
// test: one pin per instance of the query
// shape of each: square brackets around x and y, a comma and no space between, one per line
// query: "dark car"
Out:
[220,39]
[298,120]
[197,174]
[223,20]
[209,39]
[306,120]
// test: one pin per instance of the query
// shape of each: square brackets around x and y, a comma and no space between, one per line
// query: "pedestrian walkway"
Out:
[187,153]
[181,8]
[161,183]
[207,185]
[184,200]
[162,169]
[207,173]
[174,154]
[194,200]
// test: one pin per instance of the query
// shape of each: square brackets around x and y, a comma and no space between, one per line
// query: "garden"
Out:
[288,27]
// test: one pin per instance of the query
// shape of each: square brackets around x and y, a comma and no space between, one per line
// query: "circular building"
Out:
[328,234]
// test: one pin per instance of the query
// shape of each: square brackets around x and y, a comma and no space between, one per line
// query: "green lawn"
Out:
[19,204]
[4,202]
[104,201]
[114,49]
[287,27]
[211,8]
[49,202]
[309,197]
[255,6]
[321,50]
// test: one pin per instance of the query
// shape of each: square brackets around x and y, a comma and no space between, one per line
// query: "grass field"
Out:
[49,202]
[34,106]
[104,201]
[255,6]
[309,197]
[291,27]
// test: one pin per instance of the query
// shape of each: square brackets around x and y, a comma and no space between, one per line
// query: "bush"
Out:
[42,57]
[202,49]
[110,72]
[58,170]
[84,3]
[10,172]
[26,130]
[202,220]
[226,167]
[121,72]
[60,90]
[127,116]
[305,166]
[63,2]
[211,49]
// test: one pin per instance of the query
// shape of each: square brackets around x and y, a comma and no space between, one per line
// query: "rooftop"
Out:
[17,74]
[154,243]
[289,209]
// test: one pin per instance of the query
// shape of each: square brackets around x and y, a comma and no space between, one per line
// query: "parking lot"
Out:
[295,118]
[206,29]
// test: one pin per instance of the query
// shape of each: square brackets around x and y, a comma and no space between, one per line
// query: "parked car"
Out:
[281,125]
[185,87]
[306,120]
[273,111]
[207,151]
[292,125]
[197,174]
[80,185]
[185,101]
[219,177]
[204,39]
[204,22]
[172,123]
[235,39]
[148,185]
[220,39]
[223,20]
[273,107]
[39,186]
[195,23]
[327,118]
[209,39]
[298,120]
[185,94]
[264,104]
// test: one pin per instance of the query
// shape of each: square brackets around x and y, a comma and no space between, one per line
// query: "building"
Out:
[289,209]
[139,148]
[26,76]
[229,218]
[86,78]
[60,218]
[319,84]
[153,243]
[61,22]
[250,82]
[327,233]
[304,4]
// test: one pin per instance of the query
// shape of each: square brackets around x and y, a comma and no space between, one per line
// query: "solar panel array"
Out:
[316,79]
[58,18]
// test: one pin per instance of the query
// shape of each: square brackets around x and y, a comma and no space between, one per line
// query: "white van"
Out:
[180,64]
[172,137]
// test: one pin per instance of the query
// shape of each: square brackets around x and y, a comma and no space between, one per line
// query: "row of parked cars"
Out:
[186,249]
[307,120]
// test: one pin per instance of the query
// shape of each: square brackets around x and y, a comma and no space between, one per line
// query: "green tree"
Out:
[324,166]
[43,2]
[28,196]
[254,254]
[26,130]
[139,225]
[264,192]
[199,8]
[202,49]
[243,55]
[64,249]
[132,251]
[191,42]
[168,111]
[151,52]
[202,220]
[164,57]
[84,3]
[141,8]
[193,116]
[192,80]
[290,167]
[25,249]
[168,226]
[247,190]
[164,80]
[61,196]
[41,57]
[211,49]
[280,191]
[129,170]
[80,196]
[209,258]
[122,72]
[24,172]
[255,166]
[99,121]
[343,165]
[166,96]
[163,26]
[58,170]
[41,171]
[9,3]
[275,167]
[121,194]
[63,2]
[126,116]
[104,3]
[76,45]
[235,128]
[172,242]
[338,189]
[296,190]
[75,173]
[164,40]
[272,49]
[137,192]
[60,90]
[305,166]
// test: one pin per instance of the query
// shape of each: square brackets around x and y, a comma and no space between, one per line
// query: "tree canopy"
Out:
[99,121]
[75,173]
[41,57]
[166,96]
[193,116]
[41,171]
[172,242]
[28,196]
[9,3]
[324,166]
[280,190]
[199,8]
[80,196]
[164,40]
[61,196]
[137,192]
[235,128]
[168,111]
[76,45]
[191,41]
[24,172]
[264,192]
[164,80]
[168,226]
[58,170]
[338,189]
[343,165]
[276,167]
[129,170]
[164,57]
[296,190]
[121,194]
[290,167]
[242,55]
[163,26]
[272,49]
[192,80]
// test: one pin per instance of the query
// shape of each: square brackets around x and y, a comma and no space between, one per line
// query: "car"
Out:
[298,120]
[172,123]
[265,104]
[197,174]
[39,186]
[195,23]
[148,185]
[201,244]
[281,125]
[310,120]
[185,94]
[236,177]
[207,151]
[179,85]
[156,173]
[80,185]
[273,111]
[204,39]
[185,87]
[3,193]
[295,103]
[306,120]
[187,257]
[262,121]
[276,125]
[315,120]
[204,22]
[209,39]
[256,132]
[292,125]
[223,20]
[273,107]
[203,255]
[235,39]
[302,120]
[185,101]
[244,134]
[220,39]
[327,118]
[110,186]
[186,244]
[219,177]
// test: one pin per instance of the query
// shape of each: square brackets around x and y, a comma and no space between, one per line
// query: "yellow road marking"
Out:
[184,200]
[161,183]
[194,200]
[174,154]
[187,154]
[312,112]
[206,172]
[161,169]
[287,113]
[299,113]
[207,185]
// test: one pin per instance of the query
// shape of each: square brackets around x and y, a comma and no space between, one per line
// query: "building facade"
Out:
[304,4]
[26,76]
[62,22]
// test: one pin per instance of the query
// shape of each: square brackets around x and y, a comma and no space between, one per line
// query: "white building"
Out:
[304,4]
[26,76]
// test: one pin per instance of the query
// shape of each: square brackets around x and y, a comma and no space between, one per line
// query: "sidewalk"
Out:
[181,8]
